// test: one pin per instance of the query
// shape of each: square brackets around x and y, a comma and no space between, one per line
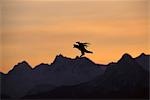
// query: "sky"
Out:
[38,30]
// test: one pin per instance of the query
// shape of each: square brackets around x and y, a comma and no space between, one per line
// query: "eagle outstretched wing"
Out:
[85,44]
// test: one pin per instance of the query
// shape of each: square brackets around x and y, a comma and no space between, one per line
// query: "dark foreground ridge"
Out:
[79,78]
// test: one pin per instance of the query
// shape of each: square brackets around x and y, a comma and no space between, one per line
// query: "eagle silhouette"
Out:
[82,47]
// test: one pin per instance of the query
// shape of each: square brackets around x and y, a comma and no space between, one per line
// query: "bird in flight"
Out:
[82,47]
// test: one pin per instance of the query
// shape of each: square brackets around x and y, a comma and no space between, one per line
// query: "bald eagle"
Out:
[82,47]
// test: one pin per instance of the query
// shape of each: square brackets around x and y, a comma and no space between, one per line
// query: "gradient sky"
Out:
[38,30]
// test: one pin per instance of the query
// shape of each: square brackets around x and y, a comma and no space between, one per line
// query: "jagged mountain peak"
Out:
[144,61]
[143,55]
[23,63]
[61,59]
[126,58]
[21,66]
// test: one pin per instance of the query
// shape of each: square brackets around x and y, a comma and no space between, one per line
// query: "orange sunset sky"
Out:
[38,30]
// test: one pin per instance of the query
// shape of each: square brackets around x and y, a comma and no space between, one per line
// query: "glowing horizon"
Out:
[37,31]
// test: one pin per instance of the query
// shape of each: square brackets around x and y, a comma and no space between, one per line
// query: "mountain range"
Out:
[79,78]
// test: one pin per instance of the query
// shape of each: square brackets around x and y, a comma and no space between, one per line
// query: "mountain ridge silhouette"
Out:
[64,71]
[124,79]
[60,56]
